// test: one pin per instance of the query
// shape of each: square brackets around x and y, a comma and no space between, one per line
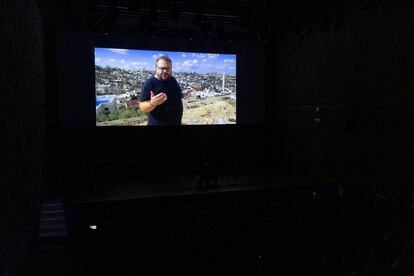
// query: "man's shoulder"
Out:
[149,82]
[173,81]
[150,79]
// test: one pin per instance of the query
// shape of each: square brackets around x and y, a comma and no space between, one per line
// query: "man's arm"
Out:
[148,106]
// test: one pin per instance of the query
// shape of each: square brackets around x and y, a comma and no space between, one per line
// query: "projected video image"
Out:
[197,88]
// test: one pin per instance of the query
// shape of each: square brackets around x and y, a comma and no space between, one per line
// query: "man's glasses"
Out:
[164,68]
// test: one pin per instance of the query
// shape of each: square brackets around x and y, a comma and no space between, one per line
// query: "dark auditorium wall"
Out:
[352,69]
[342,85]
[23,129]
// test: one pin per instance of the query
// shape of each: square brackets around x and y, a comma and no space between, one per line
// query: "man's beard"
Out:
[163,76]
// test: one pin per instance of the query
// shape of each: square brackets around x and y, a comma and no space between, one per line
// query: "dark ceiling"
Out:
[208,19]
[220,20]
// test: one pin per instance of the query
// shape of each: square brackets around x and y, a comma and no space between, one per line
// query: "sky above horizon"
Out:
[201,63]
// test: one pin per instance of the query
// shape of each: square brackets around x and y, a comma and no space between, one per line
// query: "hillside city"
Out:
[127,84]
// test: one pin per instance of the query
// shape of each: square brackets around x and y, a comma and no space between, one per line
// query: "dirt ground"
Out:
[210,112]
[201,112]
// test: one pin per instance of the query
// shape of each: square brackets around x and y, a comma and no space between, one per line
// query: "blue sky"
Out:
[182,61]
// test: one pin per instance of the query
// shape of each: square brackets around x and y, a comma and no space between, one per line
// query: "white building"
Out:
[105,104]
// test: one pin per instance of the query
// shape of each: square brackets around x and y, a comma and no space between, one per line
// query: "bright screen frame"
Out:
[120,74]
